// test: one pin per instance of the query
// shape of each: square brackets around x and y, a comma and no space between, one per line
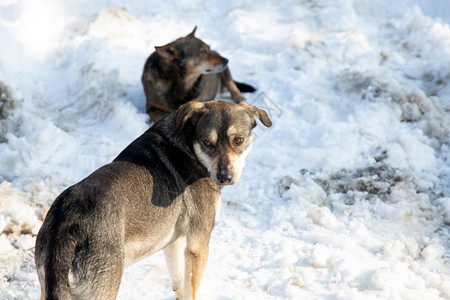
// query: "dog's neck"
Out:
[181,151]
[180,77]
[190,80]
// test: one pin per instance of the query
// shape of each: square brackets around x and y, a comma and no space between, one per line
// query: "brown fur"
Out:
[185,70]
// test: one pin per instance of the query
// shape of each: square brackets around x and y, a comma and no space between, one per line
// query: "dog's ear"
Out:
[168,51]
[258,113]
[192,34]
[188,111]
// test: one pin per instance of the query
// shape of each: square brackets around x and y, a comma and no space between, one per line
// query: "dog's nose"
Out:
[224,61]
[224,178]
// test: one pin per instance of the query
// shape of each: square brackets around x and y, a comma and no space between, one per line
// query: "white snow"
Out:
[346,197]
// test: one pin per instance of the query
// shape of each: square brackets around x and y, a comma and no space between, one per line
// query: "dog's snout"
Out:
[225,178]
[224,61]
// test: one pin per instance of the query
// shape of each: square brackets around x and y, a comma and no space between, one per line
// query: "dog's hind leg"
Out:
[174,254]
[97,270]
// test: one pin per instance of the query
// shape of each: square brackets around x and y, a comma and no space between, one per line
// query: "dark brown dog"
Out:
[186,70]
[161,192]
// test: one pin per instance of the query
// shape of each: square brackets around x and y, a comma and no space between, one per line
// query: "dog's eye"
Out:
[207,144]
[237,141]
[203,51]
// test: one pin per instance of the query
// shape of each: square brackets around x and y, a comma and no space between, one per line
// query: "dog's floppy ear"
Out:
[257,112]
[188,111]
[192,34]
[168,51]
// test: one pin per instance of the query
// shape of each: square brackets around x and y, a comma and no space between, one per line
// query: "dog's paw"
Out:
[238,98]
[178,294]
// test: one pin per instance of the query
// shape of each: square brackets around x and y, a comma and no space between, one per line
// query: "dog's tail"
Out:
[245,88]
[53,256]
[53,270]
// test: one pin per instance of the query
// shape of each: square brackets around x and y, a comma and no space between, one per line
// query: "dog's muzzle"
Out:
[224,178]
[220,68]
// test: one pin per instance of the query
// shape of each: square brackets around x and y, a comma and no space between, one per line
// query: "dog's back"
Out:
[62,253]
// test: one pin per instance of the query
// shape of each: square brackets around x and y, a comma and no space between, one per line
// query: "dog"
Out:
[161,192]
[186,70]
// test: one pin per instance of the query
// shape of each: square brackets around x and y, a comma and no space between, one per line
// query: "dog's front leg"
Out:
[228,82]
[174,254]
[196,256]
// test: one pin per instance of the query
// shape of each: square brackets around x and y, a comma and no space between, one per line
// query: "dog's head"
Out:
[220,135]
[193,54]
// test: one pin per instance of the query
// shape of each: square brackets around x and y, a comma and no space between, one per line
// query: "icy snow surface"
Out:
[346,197]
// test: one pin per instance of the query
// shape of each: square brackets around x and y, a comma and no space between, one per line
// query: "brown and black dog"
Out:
[186,70]
[161,192]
